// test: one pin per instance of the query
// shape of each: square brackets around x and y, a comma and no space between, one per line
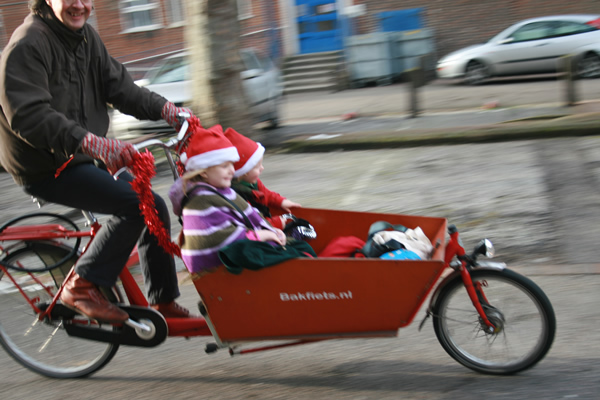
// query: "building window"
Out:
[175,12]
[244,8]
[140,15]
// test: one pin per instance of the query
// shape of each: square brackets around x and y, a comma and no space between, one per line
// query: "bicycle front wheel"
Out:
[43,346]
[522,314]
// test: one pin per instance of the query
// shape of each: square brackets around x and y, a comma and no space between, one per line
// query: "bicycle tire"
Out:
[519,308]
[44,346]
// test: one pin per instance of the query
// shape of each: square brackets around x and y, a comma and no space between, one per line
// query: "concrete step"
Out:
[308,61]
[307,74]
[311,68]
[310,81]
[332,55]
[311,72]
[310,88]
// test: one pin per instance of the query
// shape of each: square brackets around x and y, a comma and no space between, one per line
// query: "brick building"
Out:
[137,32]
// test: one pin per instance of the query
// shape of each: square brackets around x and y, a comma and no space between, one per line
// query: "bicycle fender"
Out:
[126,335]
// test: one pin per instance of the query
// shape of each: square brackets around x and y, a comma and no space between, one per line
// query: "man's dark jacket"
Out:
[54,88]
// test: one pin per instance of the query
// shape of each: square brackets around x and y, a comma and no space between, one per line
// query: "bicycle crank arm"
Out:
[140,327]
[147,329]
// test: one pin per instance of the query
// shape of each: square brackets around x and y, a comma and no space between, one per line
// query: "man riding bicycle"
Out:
[56,78]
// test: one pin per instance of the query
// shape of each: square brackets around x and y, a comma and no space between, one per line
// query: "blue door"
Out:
[318,26]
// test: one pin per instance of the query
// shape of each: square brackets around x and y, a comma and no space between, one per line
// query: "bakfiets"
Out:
[486,316]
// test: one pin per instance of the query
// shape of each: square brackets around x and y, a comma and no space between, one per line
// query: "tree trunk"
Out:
[213,38]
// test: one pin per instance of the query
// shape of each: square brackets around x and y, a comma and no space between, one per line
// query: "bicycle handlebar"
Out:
[167,146]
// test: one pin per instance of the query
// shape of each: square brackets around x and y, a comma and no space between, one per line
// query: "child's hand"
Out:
[288,204]
[281,236]
[265,235]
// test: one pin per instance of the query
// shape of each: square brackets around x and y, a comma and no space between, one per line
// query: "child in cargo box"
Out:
[248,185]
[207,204]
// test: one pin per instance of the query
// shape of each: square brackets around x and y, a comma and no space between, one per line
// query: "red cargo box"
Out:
[325,297]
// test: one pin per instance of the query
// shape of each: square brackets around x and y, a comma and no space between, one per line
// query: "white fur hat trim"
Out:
[211,158]
[252,161]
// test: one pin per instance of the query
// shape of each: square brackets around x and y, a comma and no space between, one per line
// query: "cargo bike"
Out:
[486,316]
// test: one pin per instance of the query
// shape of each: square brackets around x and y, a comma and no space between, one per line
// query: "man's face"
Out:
[72,13]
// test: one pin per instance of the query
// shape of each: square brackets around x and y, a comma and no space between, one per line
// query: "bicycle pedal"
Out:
[59,311]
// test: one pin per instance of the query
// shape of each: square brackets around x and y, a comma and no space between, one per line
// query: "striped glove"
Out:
[115,153]
[170,113]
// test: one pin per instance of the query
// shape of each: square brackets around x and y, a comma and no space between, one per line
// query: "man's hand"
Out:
[115,153]
[170,113]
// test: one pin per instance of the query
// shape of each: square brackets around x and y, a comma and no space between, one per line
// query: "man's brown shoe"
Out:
[171,310]
[83,296]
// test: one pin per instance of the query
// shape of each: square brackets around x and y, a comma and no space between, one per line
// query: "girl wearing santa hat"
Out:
[248,185]
[212,213]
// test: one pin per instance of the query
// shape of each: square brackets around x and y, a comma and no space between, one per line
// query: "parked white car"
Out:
[528,47]
[171,78]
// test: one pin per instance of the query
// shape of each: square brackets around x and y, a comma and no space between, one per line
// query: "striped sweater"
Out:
[211,223]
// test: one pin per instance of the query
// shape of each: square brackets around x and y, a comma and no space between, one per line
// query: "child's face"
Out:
[219,176]
[252,175]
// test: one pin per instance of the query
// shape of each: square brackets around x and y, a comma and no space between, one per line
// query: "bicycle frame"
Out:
[177,326]
[200,326]
[304,301]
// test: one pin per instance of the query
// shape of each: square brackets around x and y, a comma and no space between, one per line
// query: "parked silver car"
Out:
[529,47]
[171,78]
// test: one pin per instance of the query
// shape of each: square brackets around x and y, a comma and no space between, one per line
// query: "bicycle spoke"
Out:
[30,329]
[47,342]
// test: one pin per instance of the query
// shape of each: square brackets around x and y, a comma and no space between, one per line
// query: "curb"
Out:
[569,126]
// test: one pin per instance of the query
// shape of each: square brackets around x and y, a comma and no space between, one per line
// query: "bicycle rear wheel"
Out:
[517,307]
[43,346]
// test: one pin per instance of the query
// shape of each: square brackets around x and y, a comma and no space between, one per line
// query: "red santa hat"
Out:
[250,152]
[207,148]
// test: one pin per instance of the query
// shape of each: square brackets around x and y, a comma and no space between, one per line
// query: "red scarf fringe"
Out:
[144,170]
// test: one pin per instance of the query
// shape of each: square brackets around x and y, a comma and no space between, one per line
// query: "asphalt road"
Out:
[412,366]
[536,200]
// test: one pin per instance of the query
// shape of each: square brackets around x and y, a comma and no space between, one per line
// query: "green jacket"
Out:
[250,254]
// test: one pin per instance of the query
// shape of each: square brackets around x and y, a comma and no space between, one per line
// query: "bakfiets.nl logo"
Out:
[312,296]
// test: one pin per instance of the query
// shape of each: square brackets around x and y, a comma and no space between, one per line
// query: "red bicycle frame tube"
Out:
[94,226]
[43,232]
[39,233]
[454,248]
[186,327]
[31,302]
